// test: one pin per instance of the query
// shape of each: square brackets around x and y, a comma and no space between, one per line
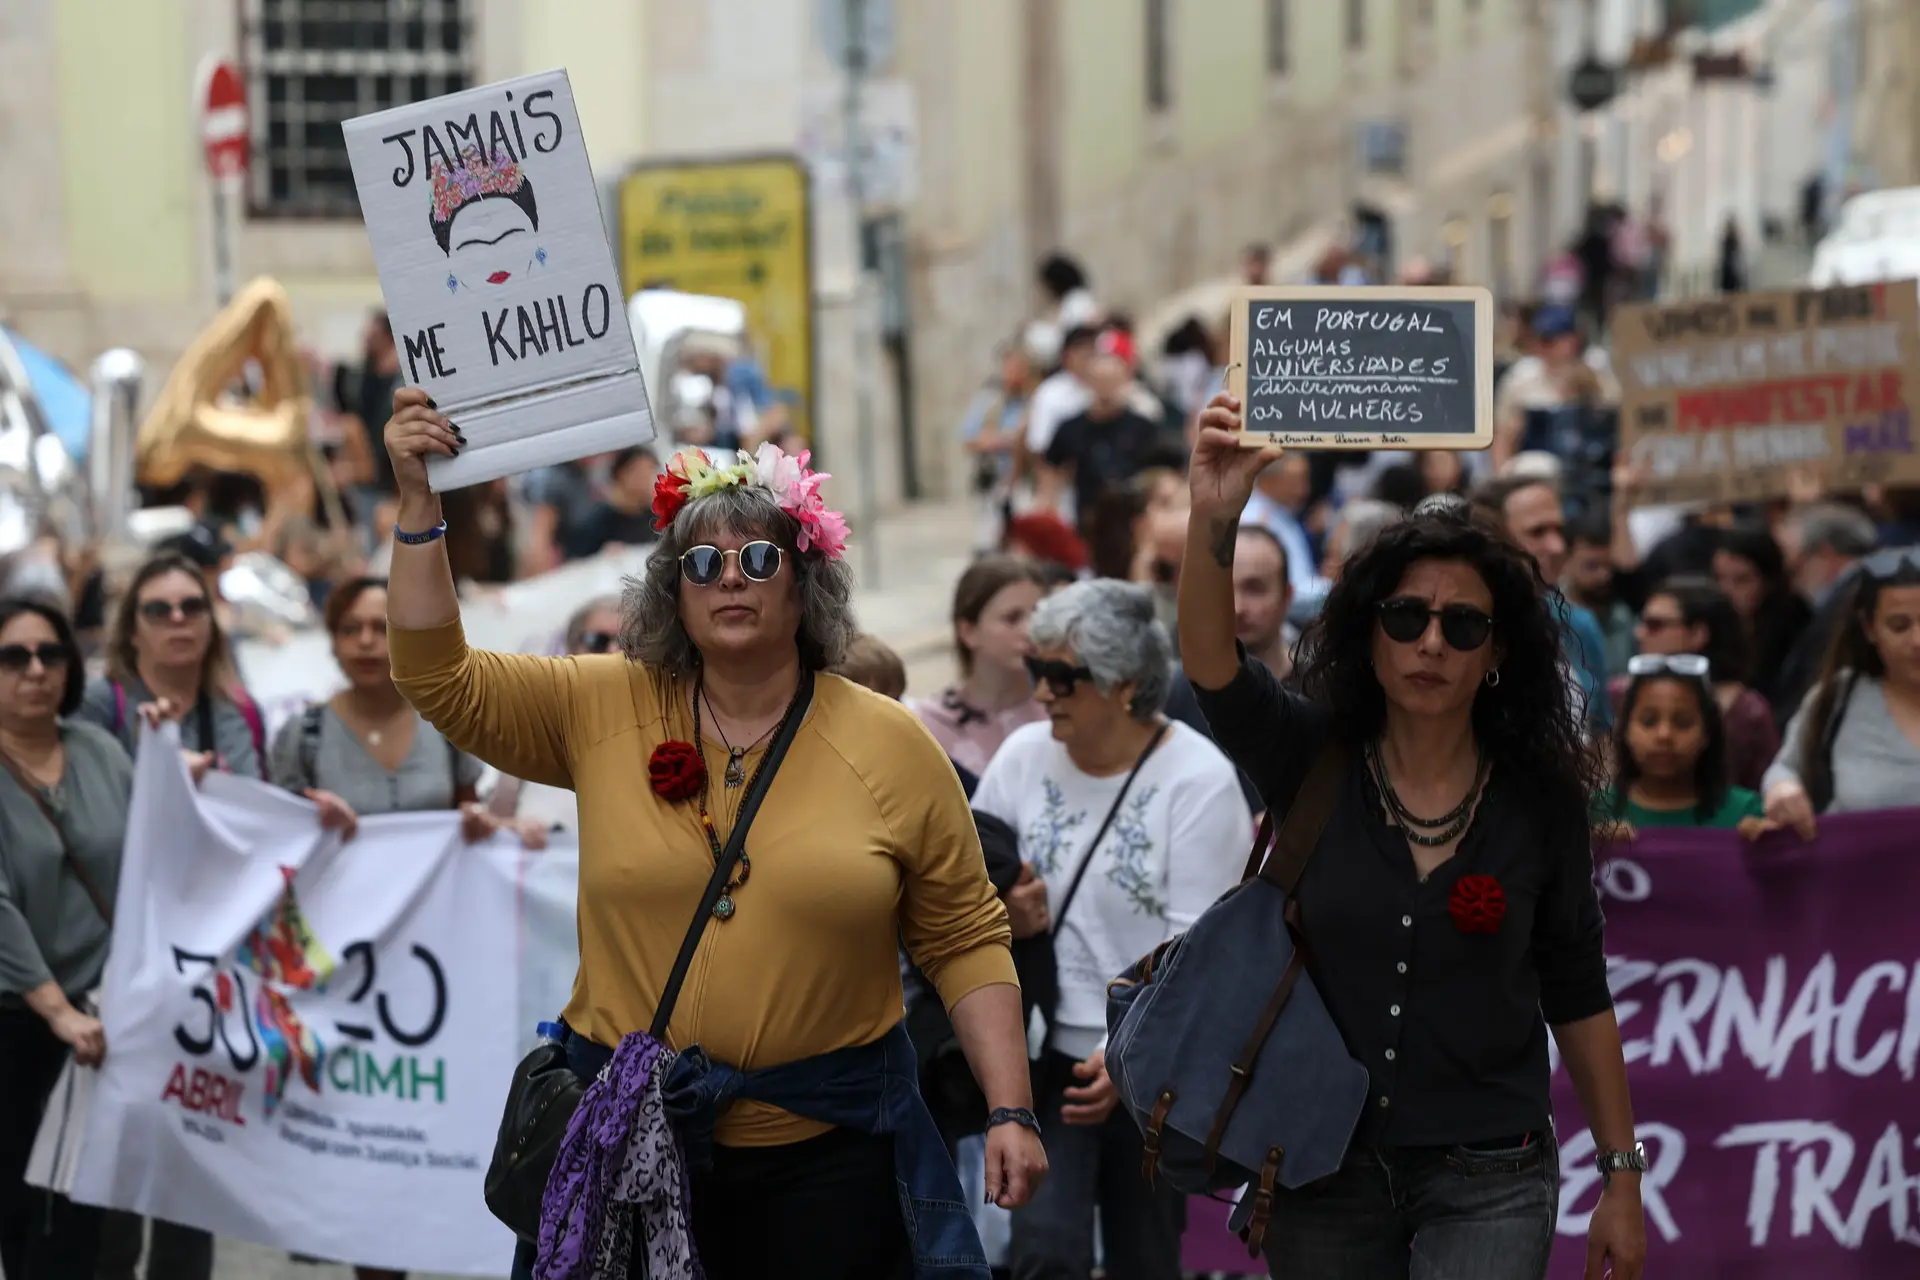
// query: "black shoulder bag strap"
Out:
[80,873]
[1080,872]
[1300,833]
[723,868]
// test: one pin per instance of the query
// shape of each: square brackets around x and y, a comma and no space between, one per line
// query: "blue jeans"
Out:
[1421,1213]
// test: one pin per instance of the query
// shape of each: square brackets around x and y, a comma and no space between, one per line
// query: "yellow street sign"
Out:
[732,229]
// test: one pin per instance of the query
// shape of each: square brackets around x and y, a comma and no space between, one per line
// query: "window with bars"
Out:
[1279,37]
[311,64]
[1159,55]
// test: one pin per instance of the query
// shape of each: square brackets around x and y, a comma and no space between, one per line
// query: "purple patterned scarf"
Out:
[620,1166]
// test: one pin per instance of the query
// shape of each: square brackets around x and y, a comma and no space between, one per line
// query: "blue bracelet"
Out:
[416,539]
[1014,1115]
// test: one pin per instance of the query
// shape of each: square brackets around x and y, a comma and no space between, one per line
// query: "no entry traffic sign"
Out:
[223,120]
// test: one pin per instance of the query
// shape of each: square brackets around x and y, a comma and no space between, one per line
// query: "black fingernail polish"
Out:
[431,404]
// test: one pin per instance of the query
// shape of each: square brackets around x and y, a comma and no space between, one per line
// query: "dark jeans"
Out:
[173,1252]
[1091,1165]
[824,1209]
[42,1236]
[1422,1213]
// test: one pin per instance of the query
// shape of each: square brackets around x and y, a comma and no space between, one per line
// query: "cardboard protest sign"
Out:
[505,302]
[1723,399]
[1363,368]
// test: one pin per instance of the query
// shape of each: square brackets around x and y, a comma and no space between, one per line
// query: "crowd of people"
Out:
[1160,634]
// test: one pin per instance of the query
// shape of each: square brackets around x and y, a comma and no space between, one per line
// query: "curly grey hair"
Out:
[651,631]
[1112,628]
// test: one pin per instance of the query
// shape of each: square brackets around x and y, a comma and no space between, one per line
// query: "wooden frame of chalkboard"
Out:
[1366,367]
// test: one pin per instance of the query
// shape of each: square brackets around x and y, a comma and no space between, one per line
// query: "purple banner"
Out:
[1769,997]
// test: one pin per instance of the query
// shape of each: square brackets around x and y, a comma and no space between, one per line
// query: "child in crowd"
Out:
[1671,744]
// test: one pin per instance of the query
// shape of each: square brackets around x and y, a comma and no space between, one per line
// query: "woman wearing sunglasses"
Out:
[1133,825]
[864,841]
[1854,744]
[1450,911]
[168,656]
[64,790]
[1670,748]
[165,646]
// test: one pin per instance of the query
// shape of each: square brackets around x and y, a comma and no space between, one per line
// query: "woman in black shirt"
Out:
[1444,946]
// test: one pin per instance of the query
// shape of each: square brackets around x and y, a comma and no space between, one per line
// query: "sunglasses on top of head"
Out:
[1900,563]
[1061,678]
[16,658]
[703,565]
[1463,627]
[163,610]
[1690,666]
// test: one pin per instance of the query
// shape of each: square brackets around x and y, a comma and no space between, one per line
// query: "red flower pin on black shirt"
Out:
[1477,904]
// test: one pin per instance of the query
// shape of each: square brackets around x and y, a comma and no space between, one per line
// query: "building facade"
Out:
[1152,139]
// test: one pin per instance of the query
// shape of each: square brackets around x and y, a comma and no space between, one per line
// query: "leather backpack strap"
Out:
[80,873]
[1306,819]
[1299,834]
[729,856]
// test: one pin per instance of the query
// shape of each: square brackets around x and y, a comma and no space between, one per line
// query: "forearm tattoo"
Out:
[1223,532]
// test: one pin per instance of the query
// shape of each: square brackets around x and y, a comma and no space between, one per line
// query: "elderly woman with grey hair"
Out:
[1130,826]
[805,1135]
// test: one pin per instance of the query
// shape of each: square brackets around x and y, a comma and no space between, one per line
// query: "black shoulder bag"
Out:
[545,1093]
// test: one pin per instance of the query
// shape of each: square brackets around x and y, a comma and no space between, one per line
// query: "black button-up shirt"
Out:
[1451,1026]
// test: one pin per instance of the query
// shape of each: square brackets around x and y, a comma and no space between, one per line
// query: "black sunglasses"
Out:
[1062,678]
[703,565]
[1405,619]
[597,642]
[163,610]
[16,658]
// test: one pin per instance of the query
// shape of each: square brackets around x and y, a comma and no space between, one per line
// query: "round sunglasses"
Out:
[1405,619]
[16,658]
[703,565]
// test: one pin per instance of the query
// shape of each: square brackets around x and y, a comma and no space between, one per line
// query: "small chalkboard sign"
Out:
[1364,368]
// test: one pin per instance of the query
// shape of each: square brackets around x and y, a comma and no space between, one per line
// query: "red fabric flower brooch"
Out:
[677,771]
[1477,904]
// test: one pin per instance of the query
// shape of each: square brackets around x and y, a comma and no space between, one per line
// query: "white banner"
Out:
[309,1043]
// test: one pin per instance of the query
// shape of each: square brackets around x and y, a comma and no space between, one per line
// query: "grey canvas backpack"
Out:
[1221,1048]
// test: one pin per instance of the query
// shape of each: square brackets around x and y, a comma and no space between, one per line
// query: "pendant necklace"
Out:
[736,772]
[723,907]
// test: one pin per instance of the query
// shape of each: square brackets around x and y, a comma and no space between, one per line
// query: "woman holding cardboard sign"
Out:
[791,1090]
[1444,946]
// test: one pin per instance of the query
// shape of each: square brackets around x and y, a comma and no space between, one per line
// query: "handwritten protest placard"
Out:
[1363,368]
[505,301]
[1723,399]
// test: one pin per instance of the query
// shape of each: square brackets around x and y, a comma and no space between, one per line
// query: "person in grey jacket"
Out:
[165,645]
[65,786]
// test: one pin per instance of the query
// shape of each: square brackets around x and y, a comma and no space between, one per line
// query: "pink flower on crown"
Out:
[821,529]
[777,472]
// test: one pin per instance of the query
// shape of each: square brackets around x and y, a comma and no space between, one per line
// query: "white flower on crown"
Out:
[776,472]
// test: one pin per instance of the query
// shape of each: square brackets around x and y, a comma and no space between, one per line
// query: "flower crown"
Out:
[795,488]
[455,186]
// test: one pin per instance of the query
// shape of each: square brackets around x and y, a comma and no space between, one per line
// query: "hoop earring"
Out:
[1493,678]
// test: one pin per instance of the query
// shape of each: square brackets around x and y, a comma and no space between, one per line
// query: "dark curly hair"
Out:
[1527,723]
[1703,604]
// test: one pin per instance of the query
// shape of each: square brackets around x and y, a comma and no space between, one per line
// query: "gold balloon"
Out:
[265,437]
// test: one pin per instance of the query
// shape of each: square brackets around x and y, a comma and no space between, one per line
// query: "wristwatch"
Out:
[1612,1162]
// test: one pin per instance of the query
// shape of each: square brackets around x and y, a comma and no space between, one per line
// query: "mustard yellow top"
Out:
[864,840]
